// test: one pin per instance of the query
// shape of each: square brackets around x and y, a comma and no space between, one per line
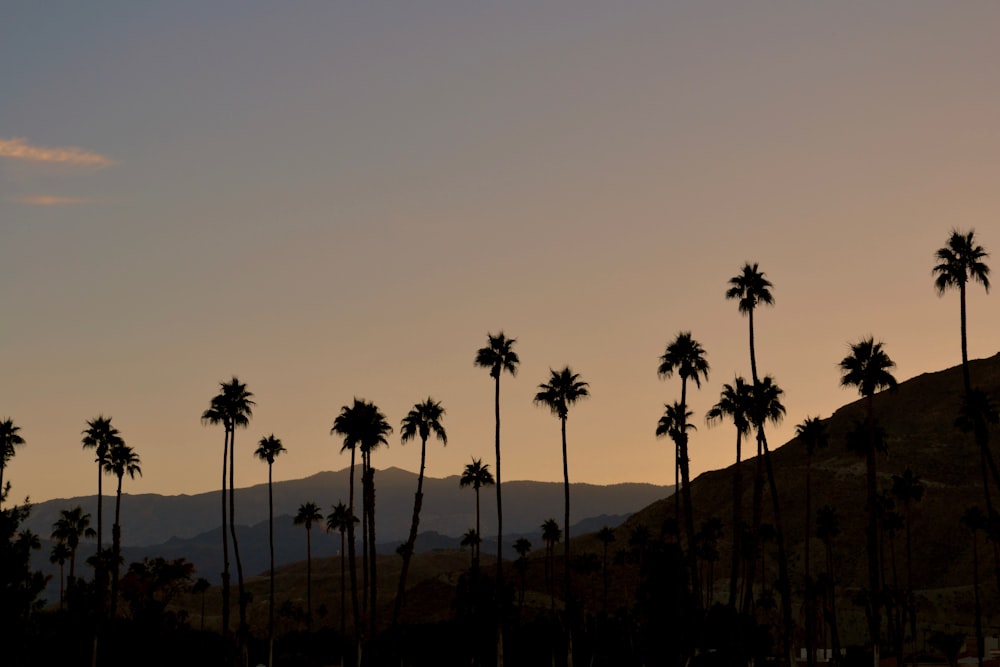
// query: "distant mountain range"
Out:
[189,525]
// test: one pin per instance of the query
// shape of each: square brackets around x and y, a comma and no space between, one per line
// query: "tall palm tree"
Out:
[908,490]
[827,529]
[476,475]
[812,434]
[340,519]
[72,526]
[751,288]
[100,436]
[60,554]
[363,427]
[686,357]
[868,368]
[267,450]
[232,407]
[9,438]
[121,460]
[308,514]
[975,520]
[422,420]
[735,402]
[551,534]
[563,389]
[960,261]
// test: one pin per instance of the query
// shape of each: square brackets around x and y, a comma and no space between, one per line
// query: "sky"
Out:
[333,200]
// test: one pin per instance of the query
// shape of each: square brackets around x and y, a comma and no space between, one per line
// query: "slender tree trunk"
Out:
[810,589]
[371,547]
[734,567]
[834,629]
[364,541]
[980,644]
[116,549]
[910,597]
[343,589]
[965,348]
[566,551]
[243,629]
[784,583]
[226,611]
[871,536]
[270,599]
[412,539]
[309,577]
[757,518]
[499,586]
[351,552]
[62,584]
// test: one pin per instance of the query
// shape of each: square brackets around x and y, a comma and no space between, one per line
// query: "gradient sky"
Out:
[340,199]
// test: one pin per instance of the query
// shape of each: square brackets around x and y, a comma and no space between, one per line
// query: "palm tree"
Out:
[522,546]
[606,535]
[685,356]
[121,460]
[422,420]
[267,449]
[868,368]
[477,476]
[72,525]
[975,520]
[908,489]
[959,262]
[100,436]
[735,402]
[199,588]
[563,389]
[339,520]
[363,427]
[9,438]
[232,407]
[60,554]
[751,289]
[812,434]
[551,534]
[308,514]
[827,529]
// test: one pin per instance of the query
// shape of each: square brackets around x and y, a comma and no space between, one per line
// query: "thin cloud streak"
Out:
[19,148]
[52,200]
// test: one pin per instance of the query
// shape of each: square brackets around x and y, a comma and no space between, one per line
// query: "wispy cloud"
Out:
[19,148]
[52,200]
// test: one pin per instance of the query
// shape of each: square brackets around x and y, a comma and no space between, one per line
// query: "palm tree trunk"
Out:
[62,584]
[412,539]
[270,599]
[364,541]
[371,546]
[965,348]
[809,588]
[834,628]
[309,577]
[496,403]
[734,567]
[343,589]
[784,583]
[351,550]
[225,544]
[871,535]
[100,504]
[242,630]
[757,517]
[978,602]
[116,549]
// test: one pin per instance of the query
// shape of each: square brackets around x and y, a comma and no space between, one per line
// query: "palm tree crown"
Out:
[308,514]
[100,436]
[735,403]
[674,421]
[751,288]
[563,389]
[269,448]
[812,433]
[498,355]
[362,425]
[476,475]
[960,261]
[122,460]
[422,420]
[685,356]
[9,438]
[867,367]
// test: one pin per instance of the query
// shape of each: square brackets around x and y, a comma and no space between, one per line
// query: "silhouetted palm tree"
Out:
[121,460]
[422,420]
[199,588]
[908,489]
[868,368]
[606,535]
[471,539]
[70,528]
[685,356]
[812,434]
[563,389]
[100,436]
[959,262]
[751,289]
[308,514]
[551,534]
[232,407]
[523,547]
[339,520]
[60,554]
[9,438]
[477,476]
[363,427]
[827,529]
[735,402]
[975,520]
[267,450]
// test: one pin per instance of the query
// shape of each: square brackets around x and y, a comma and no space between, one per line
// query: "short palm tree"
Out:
[551,534]
[736,403]
[232,407]
[471,539]
[340,519]
[868,368]
[72,526]
[9,439]
[423,420]
[308,514]
[476,475]
[122,460]
[199,588]
[522,546]
[60,554]
[827,529]
[563,389]
[267,450]
[812,434]
[100,436]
